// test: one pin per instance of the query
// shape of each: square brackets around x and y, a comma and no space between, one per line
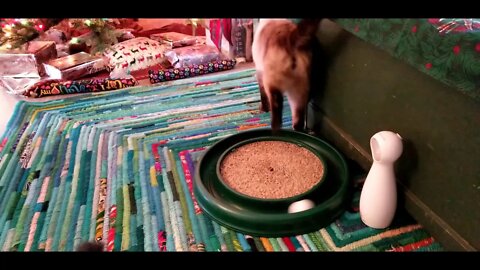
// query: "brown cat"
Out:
[282,53]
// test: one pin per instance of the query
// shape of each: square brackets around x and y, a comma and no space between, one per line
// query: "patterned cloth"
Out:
[448,50]
[118,167]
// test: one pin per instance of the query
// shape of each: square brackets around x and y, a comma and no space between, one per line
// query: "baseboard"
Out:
[435,225]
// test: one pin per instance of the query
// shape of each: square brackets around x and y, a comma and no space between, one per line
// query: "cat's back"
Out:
[270,37]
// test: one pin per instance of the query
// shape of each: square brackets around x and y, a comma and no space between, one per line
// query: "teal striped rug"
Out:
[117,167]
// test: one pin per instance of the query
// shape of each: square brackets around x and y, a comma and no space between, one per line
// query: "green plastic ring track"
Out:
[270,218]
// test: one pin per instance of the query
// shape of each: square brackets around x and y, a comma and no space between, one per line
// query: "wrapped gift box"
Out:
[193,55]
[56,87]
[17,86]
[168,74]
[74,66]
[174,40]
[26,61]
[20,68]
[242,39]
[135,54]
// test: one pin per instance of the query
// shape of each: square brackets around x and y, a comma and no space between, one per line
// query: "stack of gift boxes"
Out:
[36,61]
[227,42]
[40,65]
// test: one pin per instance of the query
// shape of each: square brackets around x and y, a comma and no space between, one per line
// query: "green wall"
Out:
[367,91]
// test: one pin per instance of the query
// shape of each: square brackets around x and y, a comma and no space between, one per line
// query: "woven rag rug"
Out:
[117,167]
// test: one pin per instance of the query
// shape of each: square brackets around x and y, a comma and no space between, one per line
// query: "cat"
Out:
[282,52]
